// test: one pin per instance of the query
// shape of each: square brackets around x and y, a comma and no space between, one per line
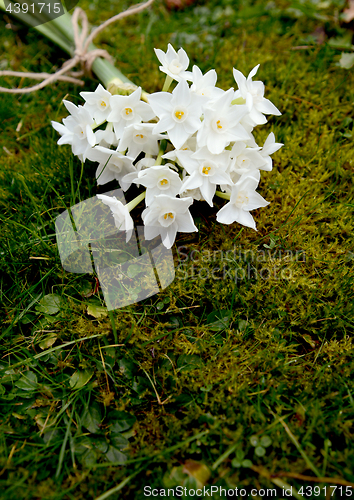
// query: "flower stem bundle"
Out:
[65,32]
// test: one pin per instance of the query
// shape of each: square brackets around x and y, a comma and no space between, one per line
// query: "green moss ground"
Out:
[269,354]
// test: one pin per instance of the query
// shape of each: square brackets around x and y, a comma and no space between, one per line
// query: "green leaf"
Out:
[52,435]
[254,440]
[236,463]
[27,382]
[133,270]
[28,318]
[219,320]
[121,421]
[127,367]
[246,463]
[43,323]
[260,451]
[49,304]
[89,458]
[100,443]
[273,242]
[114,455]
[82,444]
[140,385]
[92,419]
[240,455]
[266,441]
[242,325]
[175,477]
[80,378]
[187,362]
[48,341]
[118,441]
[191,474]
[346,60]
[10,377]
[96,310]
[341,42]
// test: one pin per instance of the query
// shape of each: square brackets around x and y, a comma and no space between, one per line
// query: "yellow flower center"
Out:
[206,170]
[218,124]
[163,182]
[140,135]
[179,114]
[242,199]
[128,111]
[168,215]
[103,104]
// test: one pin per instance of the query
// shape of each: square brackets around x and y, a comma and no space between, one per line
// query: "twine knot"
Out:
[82,41]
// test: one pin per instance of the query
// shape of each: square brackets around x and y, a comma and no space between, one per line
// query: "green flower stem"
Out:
[132,204]
[163,146]
[225,196]
[167,83]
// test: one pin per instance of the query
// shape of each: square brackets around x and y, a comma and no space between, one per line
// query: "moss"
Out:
[256,327]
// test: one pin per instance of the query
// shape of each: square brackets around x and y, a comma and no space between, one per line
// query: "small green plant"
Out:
[240,460]
[260,445]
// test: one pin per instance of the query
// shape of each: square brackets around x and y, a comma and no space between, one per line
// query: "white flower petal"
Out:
[185,223]
[267,107]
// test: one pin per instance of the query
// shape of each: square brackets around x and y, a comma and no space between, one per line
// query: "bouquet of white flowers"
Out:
[189,144]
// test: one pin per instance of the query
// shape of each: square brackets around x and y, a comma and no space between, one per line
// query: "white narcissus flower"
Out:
[112,166]
[159,179]
[194,193]
[165,216]
[107,138]
[120,212]
[179,113]
[142,164]
[174,64]
[98,103]
[140,138]
[128,110]
[253,95]
[204,85]
[221,124]
[76,130]
[190,145]
[244,159]
[269,147]
[243,198]
[205,171]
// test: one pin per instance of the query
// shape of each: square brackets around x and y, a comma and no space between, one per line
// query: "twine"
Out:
[82,54]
